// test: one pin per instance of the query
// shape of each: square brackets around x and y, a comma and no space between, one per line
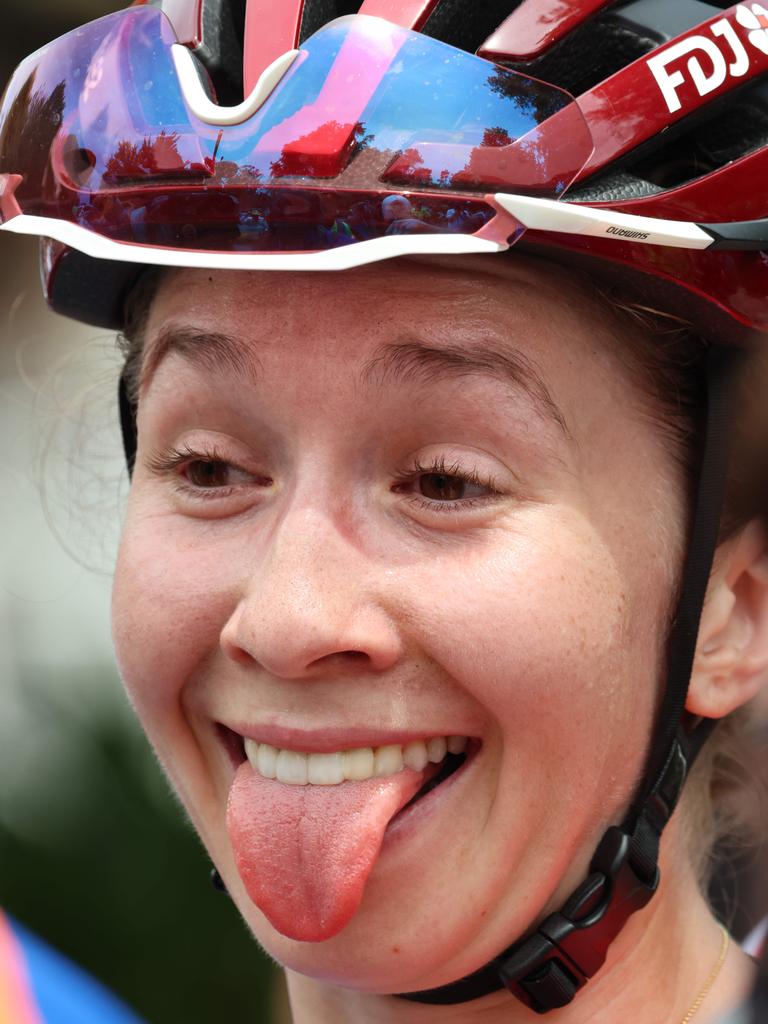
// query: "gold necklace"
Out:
[710,980]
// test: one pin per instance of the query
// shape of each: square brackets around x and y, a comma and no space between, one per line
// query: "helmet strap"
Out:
[546,969]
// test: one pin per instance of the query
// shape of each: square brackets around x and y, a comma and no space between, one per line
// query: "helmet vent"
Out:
[319,12]
[591,53]
[612,187]
[221,51]
[468,25]
[725,131]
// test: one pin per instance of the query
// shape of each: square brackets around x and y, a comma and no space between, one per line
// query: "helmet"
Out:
[660,163]
[138,141]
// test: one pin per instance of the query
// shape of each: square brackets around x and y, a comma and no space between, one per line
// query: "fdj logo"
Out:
[724,54]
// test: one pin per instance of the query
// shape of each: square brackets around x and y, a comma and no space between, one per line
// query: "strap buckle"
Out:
[546,970]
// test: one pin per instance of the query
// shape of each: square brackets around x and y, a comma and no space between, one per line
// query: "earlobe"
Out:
[732,653]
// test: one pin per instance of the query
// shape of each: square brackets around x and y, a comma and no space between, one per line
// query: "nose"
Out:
[312,604]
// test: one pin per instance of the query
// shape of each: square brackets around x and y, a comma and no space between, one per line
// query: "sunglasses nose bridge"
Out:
[205,110]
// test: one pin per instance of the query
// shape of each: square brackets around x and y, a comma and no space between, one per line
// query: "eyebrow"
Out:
[404,361]
[208,350]
[411,360]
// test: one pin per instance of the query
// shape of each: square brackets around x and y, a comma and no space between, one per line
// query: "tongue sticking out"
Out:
[304,853]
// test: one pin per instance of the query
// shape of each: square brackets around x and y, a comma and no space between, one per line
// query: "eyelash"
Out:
[439,467]
[168,463]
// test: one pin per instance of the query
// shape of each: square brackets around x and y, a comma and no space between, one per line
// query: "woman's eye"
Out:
[446,487]
[205,474]
[217,477]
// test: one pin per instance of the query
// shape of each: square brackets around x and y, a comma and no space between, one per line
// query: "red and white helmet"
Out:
[113,142]
[630,136]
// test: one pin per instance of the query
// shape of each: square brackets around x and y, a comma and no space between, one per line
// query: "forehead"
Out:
[459,323]
[473,317]
[527,303]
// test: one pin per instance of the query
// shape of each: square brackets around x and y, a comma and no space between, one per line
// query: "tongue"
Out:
[304,853]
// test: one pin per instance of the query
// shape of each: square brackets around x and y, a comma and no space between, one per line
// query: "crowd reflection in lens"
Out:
[273,220]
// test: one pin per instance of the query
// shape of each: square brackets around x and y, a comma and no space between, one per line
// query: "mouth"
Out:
[450,766]
[439,758]
[308,820]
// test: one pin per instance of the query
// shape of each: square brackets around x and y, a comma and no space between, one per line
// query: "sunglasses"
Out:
[370,137]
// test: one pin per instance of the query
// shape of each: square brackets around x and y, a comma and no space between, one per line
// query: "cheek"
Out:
[549,635]
[171,598]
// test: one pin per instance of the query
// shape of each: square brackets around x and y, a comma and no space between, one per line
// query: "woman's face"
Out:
[405,502]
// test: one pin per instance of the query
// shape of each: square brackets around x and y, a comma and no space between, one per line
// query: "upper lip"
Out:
[331,739]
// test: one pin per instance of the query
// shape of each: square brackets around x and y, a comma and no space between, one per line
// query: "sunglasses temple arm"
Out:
[748,234]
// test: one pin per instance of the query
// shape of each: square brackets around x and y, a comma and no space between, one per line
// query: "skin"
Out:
[321,592]
[396,208]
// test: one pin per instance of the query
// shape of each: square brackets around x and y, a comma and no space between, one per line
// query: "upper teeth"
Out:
[298,769]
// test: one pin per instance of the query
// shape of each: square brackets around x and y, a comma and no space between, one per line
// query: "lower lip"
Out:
[407,821]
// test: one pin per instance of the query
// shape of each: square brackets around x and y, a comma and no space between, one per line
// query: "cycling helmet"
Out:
[244,133]
[114,145]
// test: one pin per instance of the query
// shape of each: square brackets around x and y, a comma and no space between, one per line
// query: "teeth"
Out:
[457,744]
[292,767]
[358,764]
[325,769]
[387,760]
[266,759]
[436,749]
[295,768]
[415,755]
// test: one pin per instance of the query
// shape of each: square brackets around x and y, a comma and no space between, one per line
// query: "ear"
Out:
[731,661]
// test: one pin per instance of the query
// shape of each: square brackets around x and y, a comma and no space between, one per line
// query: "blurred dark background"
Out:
[95,856]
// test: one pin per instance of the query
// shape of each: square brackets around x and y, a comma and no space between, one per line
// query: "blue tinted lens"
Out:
[374,130]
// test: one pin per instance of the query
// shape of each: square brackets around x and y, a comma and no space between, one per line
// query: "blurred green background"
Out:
[95,856]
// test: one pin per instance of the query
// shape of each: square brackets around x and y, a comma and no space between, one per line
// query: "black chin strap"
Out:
[546,969]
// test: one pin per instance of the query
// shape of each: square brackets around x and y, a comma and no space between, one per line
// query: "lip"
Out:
[328,740]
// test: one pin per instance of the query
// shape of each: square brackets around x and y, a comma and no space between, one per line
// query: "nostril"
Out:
[340,659]
[236,653]
[356,656]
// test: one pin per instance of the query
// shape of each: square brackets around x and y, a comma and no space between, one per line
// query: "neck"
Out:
[654,972]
